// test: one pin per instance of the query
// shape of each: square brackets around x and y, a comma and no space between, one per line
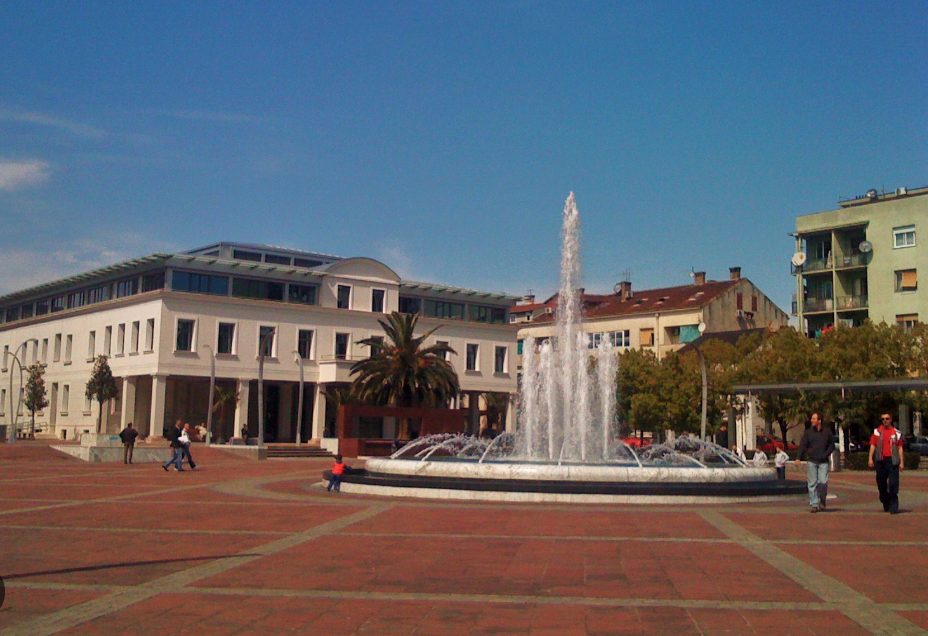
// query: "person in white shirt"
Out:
[184,439]
[780,460]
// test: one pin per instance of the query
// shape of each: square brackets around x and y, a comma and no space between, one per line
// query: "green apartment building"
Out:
[862,261]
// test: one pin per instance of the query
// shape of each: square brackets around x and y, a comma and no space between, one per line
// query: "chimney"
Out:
[734,273]
[625,290]
[699,278]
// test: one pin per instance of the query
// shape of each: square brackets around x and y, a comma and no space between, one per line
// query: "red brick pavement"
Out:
[250,547]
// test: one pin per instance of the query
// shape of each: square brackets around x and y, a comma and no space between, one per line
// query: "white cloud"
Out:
[77,129]
[24,268]
[22,174]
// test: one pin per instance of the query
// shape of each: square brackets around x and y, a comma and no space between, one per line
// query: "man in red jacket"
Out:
[886,445]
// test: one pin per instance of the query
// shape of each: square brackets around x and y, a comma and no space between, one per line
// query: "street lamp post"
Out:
[14,412]
[705,384]
[299,408]
[261,341]
[212,389]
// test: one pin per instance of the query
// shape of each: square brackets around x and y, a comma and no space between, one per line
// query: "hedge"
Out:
[858,461]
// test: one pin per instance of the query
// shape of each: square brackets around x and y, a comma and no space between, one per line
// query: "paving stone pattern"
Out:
[249,547]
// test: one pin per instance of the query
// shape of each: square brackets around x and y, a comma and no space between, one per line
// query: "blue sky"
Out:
[444,137]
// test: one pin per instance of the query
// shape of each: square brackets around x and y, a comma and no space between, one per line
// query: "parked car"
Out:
[918,444]
[770,445]
[637,442]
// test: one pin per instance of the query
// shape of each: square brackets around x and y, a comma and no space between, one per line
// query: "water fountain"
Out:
[565,446]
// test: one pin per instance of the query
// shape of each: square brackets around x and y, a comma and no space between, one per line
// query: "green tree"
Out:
[101,386]
[401,370]
[638,392]
[36,397]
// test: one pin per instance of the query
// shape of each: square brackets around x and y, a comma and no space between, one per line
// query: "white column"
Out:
[318,412]
[159,385]
[241,408]
[127,401]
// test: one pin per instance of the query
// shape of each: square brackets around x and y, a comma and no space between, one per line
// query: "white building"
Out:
[159,317]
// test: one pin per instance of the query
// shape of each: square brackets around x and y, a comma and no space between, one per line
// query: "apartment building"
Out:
[862,261]
[165,318]
[663,319]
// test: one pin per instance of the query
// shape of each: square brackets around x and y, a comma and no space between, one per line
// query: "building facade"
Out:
[164,319]
[664,319]
[862,261]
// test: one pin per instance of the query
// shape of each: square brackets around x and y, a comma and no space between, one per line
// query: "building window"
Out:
[306,262]
[2,401]
[409,305]
[121,339]
[377,298]
[904,236]
[519,344]
[200,283]
[443,309]
[226,338]
[907,321]
[242,255]
[267,337]
[6,355]
[126,287]
[65,398]
[594,340]
[68,344]
[473,357]
[44,350]
[259,289]
[343,300]
[185,334]
[754,304]
[447,354]
[304,343]
[499,360]
[134,339]
[26,311]
[57,351]
[646,337]
[35,351]
[341,346]
[41,307]
[150,335]
[303,294]
[151,282]
[92,345]
[88,405]
[481,313]
[621,339]
[276,259]
[376,345]
[107,340]
[906,280]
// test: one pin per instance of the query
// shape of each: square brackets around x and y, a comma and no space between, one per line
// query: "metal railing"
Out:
[852,302]
[817,304]
[852,260]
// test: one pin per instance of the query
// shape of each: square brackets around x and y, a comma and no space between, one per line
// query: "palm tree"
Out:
[400,371]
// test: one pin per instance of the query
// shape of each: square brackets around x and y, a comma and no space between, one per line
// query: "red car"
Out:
[770,445]
[637,442]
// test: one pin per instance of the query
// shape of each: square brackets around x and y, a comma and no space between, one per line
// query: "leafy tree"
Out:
[101,386]
[639,375]
[36,397]
[403,372]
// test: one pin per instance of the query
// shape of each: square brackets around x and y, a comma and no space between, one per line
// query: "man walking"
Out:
[817,443]
[128,435]
[177,447]
[886,456]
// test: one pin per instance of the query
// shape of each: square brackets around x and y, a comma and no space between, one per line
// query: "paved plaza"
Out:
[251,547]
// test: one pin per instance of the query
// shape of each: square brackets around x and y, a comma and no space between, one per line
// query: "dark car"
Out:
[770,445]
[918,445]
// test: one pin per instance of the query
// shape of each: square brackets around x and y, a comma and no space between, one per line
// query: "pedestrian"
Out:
[128,435]
[177,457]
[886,455]
[817,444]
[780,460]
[338,469]
[185,448]
[202,432]
[721,437]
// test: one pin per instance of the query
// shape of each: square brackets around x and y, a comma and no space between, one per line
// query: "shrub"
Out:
[858,461]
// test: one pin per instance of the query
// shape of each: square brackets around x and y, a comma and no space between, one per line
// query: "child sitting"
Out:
[338,469]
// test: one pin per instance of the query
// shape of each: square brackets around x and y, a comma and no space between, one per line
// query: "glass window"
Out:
[99,294]
[343,300]
[92,345]
[75,300]
[126,287]
[341,346]
[646,337]
[44,350]
[134,339]
[304,343]
[410,305]
[499,360]
[303,294]
[621,338]
[121,339]
[57,347]
[226,340]
[65,398]
[482,313]
[377,296]
[443,309]
[41,307]
[904,236]
[200,283]
[377,345]
[151,282]
[259,289]
[444,343]
[906,280]
[6,355]
[185,329]
[107,338]
[12,314]
[472,357]
[277,260]
[57,303]
[907,321]
[26,311]
[306,262]
[150,335]
[266,337]
[519,345]
[243,255]
[68,344]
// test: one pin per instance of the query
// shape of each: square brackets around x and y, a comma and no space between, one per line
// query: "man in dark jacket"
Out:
[128,435]
[177,447]
[817,444]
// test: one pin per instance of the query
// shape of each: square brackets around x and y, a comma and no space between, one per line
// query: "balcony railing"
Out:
[852,302]
[852,260]
[816,264]
[817,304]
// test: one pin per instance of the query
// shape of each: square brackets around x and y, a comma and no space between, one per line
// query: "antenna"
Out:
[627,274]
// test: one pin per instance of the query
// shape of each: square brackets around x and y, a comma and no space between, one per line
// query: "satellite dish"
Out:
[865,247]
[702,327]
[798,259]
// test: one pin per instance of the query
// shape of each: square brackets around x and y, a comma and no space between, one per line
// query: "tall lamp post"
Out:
[14,412]
[705,385]
[212,389]
[299,408]
[261,341]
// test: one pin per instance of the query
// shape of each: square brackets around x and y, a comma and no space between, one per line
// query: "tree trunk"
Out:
[99,416]
[784,426]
